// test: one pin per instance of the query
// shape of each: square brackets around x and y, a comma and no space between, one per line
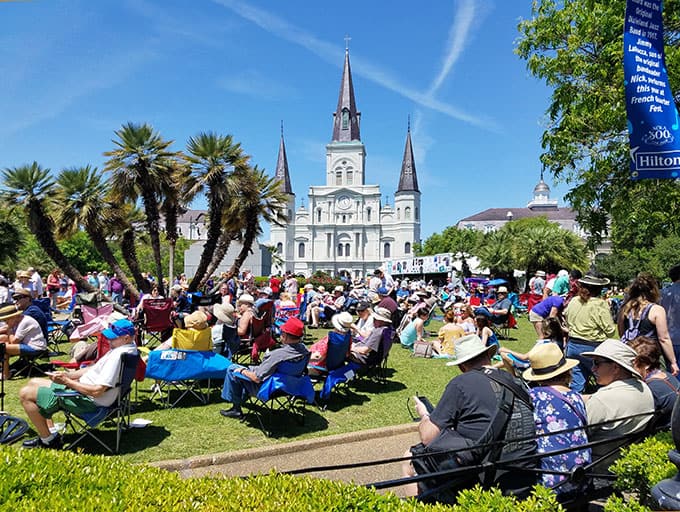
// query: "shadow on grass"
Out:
[132,440]
[280,423]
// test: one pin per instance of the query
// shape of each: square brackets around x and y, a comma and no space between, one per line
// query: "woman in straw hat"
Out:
[556,408]
[21,335]
[590,323]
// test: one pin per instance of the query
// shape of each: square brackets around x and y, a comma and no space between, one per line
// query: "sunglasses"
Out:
[598,362]
[19,297]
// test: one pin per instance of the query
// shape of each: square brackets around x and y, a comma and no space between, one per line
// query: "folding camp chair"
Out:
[119,412]
[282,315]
[377,364]
[336,356]
[288,389]
[155,323]
[183,369]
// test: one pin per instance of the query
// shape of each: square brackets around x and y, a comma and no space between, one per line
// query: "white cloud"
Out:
[332,54]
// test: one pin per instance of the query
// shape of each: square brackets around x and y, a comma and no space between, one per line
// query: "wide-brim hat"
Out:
[245,298]
[224,313]
[617,351]
[547,361]
[594,281]
[21,291]
[8,312]
[23,274]
[342,321]
[502,289]
[540,273]
[468,347]
[339,289]
[382,314]
[197,320]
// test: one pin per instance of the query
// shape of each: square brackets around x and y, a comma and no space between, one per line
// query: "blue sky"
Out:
[74,71]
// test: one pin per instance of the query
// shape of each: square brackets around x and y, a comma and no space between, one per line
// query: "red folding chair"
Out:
[155,323]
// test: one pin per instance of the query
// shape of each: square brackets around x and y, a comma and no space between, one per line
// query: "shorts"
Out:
[48,403]
[27,350]
[533,317]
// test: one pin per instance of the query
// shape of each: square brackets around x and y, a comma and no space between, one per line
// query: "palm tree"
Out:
[83,202]
[12,236]
[141,167]
[213,158]
[177,194]
[30,187]
[262,199]
[128,219]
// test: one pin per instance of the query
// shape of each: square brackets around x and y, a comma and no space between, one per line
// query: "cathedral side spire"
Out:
[346,118]
[408,180]
[282,167]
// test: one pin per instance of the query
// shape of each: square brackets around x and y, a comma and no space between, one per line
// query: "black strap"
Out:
[516,389]
[567,401]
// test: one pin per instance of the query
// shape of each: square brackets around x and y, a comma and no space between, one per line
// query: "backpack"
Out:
[633,330]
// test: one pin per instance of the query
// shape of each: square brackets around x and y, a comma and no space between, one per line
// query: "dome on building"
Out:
[542,188]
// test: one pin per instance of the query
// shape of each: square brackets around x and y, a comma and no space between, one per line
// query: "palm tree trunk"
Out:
[42,227]
[153,226]
[220,252]
[214,227]
[127,245]
[248,239]
[100,244]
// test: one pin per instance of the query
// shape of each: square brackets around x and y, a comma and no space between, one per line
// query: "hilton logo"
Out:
[666,161]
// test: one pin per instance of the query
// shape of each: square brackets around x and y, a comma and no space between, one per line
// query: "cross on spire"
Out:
[347,40]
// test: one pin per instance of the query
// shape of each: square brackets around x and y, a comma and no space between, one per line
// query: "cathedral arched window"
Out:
[338,177]
[407,213]
[301,250]
[344,219]
[387,250]
[340,247]
[407,248]
[368,215]
[345,119]
[318,215]
[417,214]
[279,248]
[346,249]
[350,178]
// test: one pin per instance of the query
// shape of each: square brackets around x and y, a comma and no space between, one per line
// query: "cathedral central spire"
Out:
[346,117]
[282,174]
[408,180]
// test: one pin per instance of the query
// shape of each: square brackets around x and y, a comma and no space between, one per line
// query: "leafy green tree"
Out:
[30,187]
[141,167]
[80,250]
[576,48]
[496,252]
[213,158]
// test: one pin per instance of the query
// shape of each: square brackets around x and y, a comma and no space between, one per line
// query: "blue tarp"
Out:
[186,365]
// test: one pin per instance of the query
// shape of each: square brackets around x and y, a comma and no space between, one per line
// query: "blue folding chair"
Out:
[289,389]
[85,425]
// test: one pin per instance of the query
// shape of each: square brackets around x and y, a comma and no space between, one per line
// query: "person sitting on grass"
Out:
[21,335]
[236,389]
[552,330]
[415,330]
[96,385]
[485,332]
[448,334]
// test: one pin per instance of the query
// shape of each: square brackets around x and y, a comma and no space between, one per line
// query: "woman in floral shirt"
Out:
[556,409]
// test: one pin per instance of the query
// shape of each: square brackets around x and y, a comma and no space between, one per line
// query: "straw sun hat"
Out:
[342,321]
[468,347]
[547,361]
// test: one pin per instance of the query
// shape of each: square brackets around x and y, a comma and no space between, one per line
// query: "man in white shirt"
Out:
[95,384]
[36,282]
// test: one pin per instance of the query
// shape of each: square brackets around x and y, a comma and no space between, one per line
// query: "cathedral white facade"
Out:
[346,228]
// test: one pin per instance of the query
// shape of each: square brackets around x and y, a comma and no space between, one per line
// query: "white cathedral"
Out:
[346,229]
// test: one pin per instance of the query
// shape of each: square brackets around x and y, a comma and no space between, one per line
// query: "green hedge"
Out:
[643,465]
[51,480]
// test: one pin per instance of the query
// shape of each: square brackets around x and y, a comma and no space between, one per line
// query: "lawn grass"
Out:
[194,429]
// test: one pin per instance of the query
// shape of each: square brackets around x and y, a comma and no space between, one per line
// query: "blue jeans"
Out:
[235,389]
[581,372]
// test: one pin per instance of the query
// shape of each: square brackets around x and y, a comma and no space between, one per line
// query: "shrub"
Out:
[617,504]
[643,465]
[50,480]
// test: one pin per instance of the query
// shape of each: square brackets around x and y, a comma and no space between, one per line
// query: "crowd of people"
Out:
[590,378]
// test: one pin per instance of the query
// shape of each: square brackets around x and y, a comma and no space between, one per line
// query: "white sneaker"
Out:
[57,428]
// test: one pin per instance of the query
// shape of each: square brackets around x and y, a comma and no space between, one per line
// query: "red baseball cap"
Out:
[294,327]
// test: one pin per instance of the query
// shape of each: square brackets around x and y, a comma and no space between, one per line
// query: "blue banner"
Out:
[652,115]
